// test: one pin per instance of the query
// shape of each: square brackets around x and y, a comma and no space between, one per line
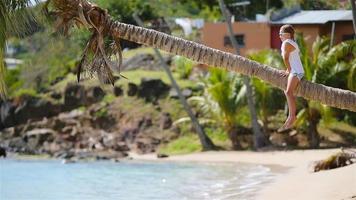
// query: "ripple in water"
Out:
[132,180]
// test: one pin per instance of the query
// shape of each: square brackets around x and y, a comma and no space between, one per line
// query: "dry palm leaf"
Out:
[341,159]
[100,58]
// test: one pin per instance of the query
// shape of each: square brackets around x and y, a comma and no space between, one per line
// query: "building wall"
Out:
[312,31]
[256,36]
[341,30]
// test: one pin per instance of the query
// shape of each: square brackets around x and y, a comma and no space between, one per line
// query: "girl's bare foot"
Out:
[287,125]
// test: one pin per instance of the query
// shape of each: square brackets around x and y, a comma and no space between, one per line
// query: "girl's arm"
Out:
[287,48]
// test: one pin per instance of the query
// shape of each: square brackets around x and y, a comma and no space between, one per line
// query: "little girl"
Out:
[295,72]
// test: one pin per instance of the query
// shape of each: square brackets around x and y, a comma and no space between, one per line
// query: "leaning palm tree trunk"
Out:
[81,11]
[259,139]
[205,141]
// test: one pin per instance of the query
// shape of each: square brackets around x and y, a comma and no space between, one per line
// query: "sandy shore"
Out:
[296,183]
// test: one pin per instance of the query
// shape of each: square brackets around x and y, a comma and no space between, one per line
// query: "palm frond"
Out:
[15,19]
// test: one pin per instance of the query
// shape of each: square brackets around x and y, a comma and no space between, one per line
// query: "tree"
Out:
[332,66]
[14,19]
[102,25]
[205,141]
[222,101]
[265,94]
[259,138]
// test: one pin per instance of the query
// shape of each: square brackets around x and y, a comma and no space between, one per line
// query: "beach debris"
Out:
[162,155]
[340,159]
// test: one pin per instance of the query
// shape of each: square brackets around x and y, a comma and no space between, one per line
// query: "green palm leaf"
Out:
[15,19]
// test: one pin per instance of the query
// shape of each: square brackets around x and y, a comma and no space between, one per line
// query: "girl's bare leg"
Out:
[291,100]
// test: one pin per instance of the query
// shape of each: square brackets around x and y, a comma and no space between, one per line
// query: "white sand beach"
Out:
[298,182]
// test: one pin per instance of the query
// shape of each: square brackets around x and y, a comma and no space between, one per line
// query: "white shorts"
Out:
[298,75]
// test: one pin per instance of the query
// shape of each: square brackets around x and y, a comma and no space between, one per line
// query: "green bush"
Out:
[25,92]
[183,66]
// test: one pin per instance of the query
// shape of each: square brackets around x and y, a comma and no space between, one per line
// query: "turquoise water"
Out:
[129,180]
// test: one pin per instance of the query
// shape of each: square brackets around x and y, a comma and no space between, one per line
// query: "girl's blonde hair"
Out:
[287,28]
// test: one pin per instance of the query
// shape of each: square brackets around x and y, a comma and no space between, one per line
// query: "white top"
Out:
[294,59]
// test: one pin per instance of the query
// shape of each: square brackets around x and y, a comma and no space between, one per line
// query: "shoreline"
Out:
[294,180]
[295,183]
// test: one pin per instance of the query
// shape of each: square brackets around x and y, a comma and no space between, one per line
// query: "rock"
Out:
[185,92]
[25,108]
[94,95]
[56,95]
[2,152]
[35,138]
[7,117]
[278,139]
[74,96]
[115,160]
[109,155]
[165,121]
[64,154]
[118,91]
[132,89]
[35,109]
[17,144]
[68,161]
[51,147]
[106,122]
[152,89]
[142,61]
[144,122]
[121,146]
[145,145]
[74,114]
[161,155]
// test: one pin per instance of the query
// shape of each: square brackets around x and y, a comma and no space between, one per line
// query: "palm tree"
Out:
[259,138]
[265,94]
[14,19]
[205,141]
[221,101]
[331,66]
[101,25]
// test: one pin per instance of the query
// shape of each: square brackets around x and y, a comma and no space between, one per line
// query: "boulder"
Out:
[25,108]
[56,95]
[165,121]
[17,144]
[35,138]
[94,95]
[7,117]
[161,155]
[118,91]
[142,61]
[2,152]
[185,92]
[35,108]
[152,89]
[132,89]
[74,96]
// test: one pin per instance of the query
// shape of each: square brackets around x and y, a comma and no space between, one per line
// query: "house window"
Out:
[240,38]
[348,37]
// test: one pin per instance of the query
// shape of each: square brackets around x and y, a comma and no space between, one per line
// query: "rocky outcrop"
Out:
[20,110]
[24,108]
[91,133]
